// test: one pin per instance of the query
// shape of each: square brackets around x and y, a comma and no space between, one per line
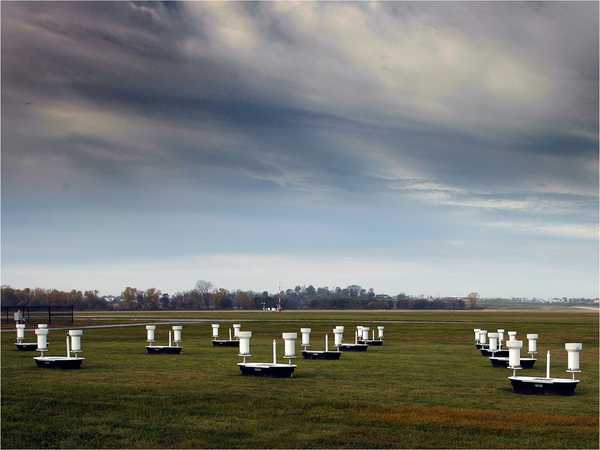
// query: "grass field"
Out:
[427,387]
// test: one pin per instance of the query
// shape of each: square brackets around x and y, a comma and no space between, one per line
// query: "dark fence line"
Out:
[38,314]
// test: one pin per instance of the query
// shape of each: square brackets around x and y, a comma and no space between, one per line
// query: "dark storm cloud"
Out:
[484,101]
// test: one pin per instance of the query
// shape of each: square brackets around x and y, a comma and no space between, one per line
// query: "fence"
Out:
[39,314]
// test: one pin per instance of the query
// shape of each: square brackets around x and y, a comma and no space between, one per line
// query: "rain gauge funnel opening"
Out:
[73,344]
[267,369]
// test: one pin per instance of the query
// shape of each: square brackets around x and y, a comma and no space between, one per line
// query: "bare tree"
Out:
[203,287]
[472,298]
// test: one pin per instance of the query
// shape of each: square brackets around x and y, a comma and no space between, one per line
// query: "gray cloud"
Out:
[486,111]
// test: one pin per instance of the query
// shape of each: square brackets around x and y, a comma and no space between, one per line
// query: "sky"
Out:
[419,148]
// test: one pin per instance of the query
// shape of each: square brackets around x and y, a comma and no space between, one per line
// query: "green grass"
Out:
[427,387]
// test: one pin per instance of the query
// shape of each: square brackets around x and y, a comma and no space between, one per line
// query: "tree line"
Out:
[205,297]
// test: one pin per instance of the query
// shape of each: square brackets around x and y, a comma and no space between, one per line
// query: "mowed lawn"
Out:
[427,387]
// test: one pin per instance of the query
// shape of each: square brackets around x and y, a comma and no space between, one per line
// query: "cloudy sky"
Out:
[422,148]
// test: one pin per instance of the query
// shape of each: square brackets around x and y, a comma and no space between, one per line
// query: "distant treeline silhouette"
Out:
[204,297]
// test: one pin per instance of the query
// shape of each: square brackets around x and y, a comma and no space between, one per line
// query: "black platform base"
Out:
[225,343]
[499,353]
[480,346]
[26,346]
[543,386]
[353,347]
[267,369]
[58,362]
[497,361]
[163,349]
[371,342]
[306,354]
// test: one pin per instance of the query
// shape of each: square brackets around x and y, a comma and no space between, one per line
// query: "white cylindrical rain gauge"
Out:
[493,342]
[289,342]
[380,332]
[482,337]
[20,332]
[42,339]
[236,330]
[500,337]
[244,337]
[338,336]
[512,335]
[305,336]
[215,330]
[514,354]
[75,336]
[150,333]
[476,331]
[365,333]
[177,334]
[573,350]
[532,343]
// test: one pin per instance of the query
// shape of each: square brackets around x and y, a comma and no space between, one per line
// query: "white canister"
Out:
[75,336]
[215,330]
[150,333]
[289,344]
[244,337]
[483,337]
[500,337]
[20,332]
[305,336]
[514,354]
[236,330]
[493,342]
[42,339]
[338,336]
[573,350]
[177,333]
[365,333]
[532,342]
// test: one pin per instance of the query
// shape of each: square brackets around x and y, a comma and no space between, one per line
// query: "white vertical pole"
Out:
[230,334]
[326,343]
[548,364]
[355,336]
[170,339]
[68,348]
[274,351]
